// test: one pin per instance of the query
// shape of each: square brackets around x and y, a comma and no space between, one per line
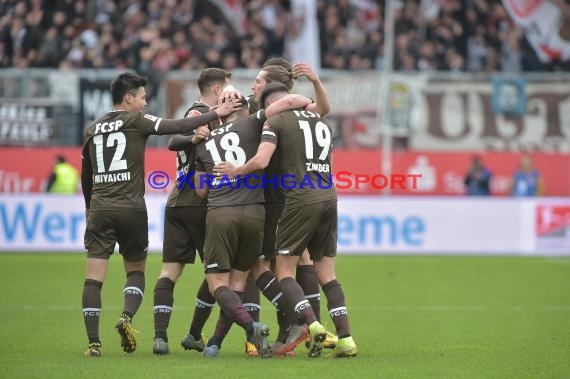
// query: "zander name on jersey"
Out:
[112,178]
[318,167]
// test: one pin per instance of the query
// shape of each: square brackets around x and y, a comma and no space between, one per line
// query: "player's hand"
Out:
[303,69]
[227,105]
[225,169]
[230,90]
[201,134]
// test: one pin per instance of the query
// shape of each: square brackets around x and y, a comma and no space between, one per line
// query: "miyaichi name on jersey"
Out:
[112,178]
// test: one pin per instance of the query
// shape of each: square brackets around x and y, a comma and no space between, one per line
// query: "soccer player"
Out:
[234,222]
[185,222]
[112,178]
[309,219]
[279,70]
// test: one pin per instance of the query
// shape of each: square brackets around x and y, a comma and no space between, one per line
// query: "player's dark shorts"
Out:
[313,226]
[272,213]
[184,231]
[127,227]
[233,237]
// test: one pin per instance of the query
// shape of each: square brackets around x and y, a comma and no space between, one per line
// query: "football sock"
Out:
[337,307]
[204,304]
[233,308]
[251,300]
[307,279]
[223,326]
[91,302]
[294,295]
[270,288]
[133,292]
[284,322]
[163,301]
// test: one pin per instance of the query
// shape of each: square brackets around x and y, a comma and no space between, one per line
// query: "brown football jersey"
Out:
[273,190]
[115,145]
[235,142]
[304,145]
[183,193]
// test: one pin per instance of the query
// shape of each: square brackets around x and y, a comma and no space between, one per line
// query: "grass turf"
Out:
[412,317]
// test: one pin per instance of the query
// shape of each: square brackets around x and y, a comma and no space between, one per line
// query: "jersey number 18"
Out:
[233,153]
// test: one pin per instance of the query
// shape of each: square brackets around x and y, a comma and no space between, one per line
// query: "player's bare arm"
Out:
[288,102]
[258,162]
[322,103]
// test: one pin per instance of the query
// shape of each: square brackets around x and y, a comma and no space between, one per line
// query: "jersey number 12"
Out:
[117,163]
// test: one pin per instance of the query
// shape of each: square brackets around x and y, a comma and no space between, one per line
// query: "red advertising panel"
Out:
[444,173]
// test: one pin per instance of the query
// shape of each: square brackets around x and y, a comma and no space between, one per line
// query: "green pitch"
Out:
[412,317]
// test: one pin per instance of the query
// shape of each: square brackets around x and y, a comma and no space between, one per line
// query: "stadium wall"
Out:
[367,225]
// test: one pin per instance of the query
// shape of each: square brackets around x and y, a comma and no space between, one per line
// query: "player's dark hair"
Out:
[126,83]
[270,89]
[278,74]
[212,76]
[278,61]
[60,159]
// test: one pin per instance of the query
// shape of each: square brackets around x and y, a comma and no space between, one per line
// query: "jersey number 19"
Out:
[322,136]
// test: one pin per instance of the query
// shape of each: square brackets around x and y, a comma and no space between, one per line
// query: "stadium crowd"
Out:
[160,35]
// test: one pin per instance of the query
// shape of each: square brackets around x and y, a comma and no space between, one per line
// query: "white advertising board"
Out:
[366,225]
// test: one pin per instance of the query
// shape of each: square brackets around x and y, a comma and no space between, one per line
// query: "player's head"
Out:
[242,111]
[128,92]
[278,61]
[60,159]
[213,80]
[271,74]
[272,93]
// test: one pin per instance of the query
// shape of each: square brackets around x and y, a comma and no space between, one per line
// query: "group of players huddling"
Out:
[251,238]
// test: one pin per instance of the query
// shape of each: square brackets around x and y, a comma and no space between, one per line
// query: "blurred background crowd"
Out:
[161,35]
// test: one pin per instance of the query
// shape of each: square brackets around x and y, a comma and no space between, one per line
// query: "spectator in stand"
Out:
[158,36]
[478,178]
[527,181]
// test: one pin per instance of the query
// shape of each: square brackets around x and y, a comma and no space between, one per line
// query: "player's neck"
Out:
[209,100]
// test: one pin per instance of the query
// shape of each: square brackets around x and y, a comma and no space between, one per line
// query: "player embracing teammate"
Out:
[309,218]
[308,224]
